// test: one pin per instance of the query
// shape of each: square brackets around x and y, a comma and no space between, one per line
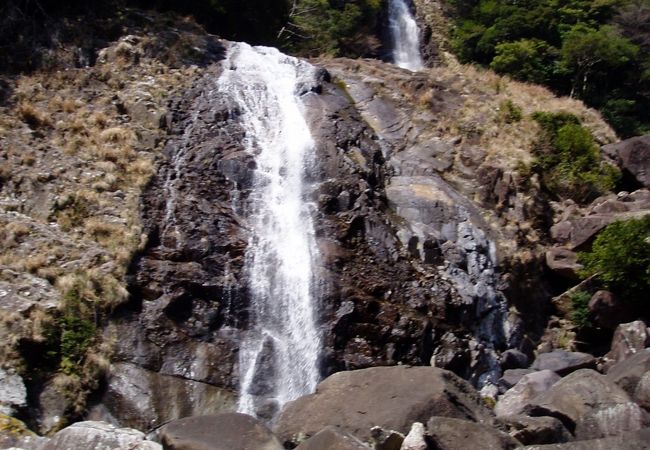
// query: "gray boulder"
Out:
[511,377]
[332,439]
[455,434]
[633,155]
[530,386]
[225,431]
[629,339]
[388,397]
[415,439]
[563,261]
[13,394]
[588,404]
[627,373]
[534,430]
[642,392]
[99,436]
[563,362]
[607,311]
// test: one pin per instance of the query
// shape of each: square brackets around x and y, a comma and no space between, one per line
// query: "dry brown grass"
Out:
[32,116]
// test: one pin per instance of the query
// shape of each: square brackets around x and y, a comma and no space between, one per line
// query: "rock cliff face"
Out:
[424,235]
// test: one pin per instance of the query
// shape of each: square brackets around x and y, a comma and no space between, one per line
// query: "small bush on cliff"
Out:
[579,308]
[620,257]
[568,159]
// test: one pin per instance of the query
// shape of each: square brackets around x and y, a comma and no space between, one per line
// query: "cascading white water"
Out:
[405,37]
[279,353]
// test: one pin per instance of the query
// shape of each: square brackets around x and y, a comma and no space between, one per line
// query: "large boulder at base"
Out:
[225,431]
[627,373]
[633,155]
[456,434]
[530,386]
[629,339]
[99,436]
[563,362]
[638,440]
[332,439]
[589,404]
[534,430]
[389,397]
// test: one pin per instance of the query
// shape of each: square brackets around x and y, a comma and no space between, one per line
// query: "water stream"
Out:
[404,34]
[279,353]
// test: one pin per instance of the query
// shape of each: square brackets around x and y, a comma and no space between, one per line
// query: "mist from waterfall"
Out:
[405,37]
[278,357]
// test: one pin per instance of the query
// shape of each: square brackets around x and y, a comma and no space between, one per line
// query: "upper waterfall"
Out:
[280,350]
[404,34]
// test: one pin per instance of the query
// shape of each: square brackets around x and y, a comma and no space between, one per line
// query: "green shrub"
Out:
[620,256]
[568,159]
[579,308]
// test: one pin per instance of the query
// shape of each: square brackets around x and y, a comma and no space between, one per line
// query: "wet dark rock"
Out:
[331,438]
[563,362]
[534,430]
[447,433]
[607,311]
[513,359]
[388,397]
[225,431]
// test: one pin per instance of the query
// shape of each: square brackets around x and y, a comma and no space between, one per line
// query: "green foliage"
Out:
[526,60]
[595,50]
[336,28]
[620,256]
[579,308]
[568,159]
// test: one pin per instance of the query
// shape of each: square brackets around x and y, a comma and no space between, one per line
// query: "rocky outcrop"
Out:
[628,340]
[534,430]
[389,397]
[218,432]
[13,394]
[630,441]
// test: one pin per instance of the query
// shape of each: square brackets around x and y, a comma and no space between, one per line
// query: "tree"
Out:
[526,60]
[590,54]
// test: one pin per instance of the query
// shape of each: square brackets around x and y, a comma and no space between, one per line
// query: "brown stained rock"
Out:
[392,398]
[633,155]
[534,430]
[226,431]
[588,403]
[454,434]
[331,438]
[629,339]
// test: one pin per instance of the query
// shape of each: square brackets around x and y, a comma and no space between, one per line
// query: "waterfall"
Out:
[404,34]
[279,351]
